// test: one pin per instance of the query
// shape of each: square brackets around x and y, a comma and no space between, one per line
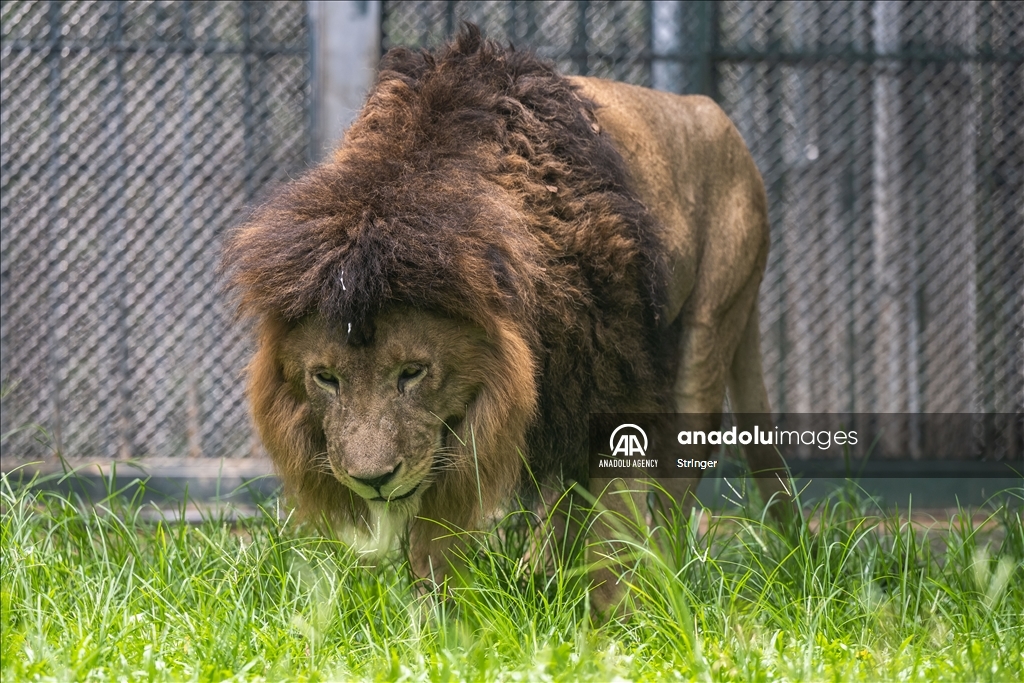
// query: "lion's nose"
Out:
[375,481]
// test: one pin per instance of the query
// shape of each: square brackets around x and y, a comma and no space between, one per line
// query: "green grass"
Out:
[98,592]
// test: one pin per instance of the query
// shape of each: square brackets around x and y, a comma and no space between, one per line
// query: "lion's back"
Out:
[691,168]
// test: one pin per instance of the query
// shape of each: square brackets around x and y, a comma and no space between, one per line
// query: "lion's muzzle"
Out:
[393,498]
[375,480]
[396,484]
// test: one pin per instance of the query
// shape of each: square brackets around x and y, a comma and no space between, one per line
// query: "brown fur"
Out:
[478,185]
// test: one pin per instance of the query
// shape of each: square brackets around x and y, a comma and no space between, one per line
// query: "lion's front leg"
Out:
[619,520]
[437,552]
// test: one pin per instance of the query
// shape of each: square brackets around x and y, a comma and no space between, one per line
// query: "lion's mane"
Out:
[477,184]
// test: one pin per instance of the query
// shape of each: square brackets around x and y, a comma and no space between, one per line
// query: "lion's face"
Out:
[391,411]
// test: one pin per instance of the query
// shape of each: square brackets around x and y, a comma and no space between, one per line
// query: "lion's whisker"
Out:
[321,463]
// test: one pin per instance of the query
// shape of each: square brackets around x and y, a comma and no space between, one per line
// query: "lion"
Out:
[493,253]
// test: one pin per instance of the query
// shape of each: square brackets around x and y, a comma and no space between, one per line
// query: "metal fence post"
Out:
[53,340]
[345,43]
[579,45]
[707,64]
[666,38]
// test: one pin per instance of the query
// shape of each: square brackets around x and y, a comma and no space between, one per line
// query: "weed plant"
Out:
[100,591]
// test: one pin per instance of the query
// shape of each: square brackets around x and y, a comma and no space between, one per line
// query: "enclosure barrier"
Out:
[134,135]
[890,136]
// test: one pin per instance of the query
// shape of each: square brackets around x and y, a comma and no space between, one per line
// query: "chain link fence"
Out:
[133,135]
[891,140]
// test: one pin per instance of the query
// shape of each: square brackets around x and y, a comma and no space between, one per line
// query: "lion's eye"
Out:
[326,380]
[410,375]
